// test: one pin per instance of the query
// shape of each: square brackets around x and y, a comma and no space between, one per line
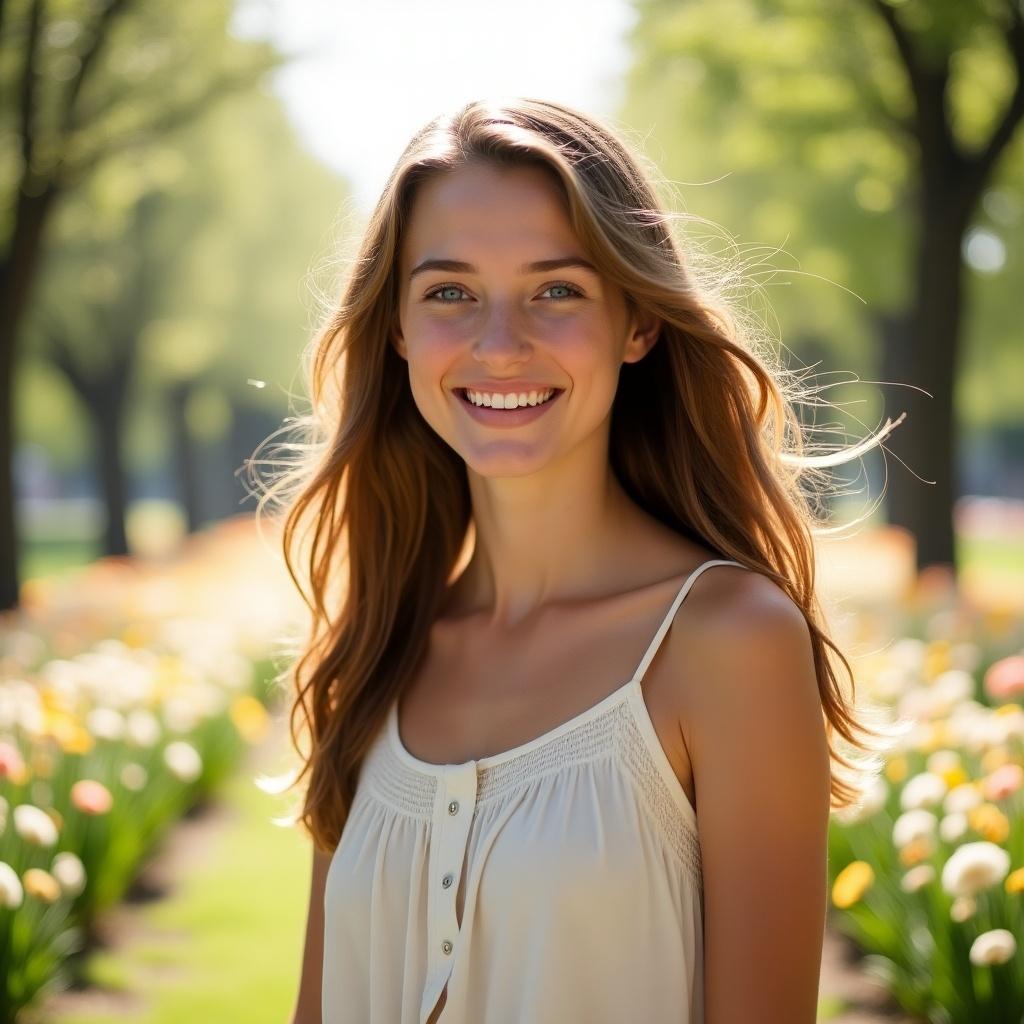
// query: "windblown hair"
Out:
[704,437]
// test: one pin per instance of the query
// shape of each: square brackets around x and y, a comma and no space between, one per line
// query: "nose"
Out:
[501,341]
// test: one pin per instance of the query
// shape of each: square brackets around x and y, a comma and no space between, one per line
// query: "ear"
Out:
[645,329]
[397,340]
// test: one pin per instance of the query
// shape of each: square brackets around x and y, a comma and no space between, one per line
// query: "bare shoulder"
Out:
[752,719]
[744,649]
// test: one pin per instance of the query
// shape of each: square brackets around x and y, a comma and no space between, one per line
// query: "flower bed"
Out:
[127,693]
[927,875]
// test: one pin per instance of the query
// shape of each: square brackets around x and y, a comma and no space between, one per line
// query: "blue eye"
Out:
[575,292]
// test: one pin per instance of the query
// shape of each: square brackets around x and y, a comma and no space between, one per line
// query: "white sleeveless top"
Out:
[559,881]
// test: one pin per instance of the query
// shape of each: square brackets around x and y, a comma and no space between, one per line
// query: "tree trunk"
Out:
[184,455]
[17,271]
[927,358]
[108,415]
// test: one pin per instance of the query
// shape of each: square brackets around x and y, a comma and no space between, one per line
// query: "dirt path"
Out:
[868,1001]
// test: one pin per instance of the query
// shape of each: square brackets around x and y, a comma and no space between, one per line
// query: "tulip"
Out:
[974,867]
[34,825]
[918,877]
[41,885]
[851,883]
[69,871]
[924,790]
[993,947]
[12,764]
[11,892]
[183,760]
[1006,779]
[91,797]
[1005,678]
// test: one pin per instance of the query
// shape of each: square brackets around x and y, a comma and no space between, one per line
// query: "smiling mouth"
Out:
[555,392]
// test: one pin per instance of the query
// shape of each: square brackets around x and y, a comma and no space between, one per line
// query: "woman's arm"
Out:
[308,1005]
[755,731]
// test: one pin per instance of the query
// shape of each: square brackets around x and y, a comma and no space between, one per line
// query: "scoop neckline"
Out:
[436,768]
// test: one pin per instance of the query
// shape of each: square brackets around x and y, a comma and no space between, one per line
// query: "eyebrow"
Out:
[539,267]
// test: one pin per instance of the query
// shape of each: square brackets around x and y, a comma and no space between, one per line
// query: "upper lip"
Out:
[506,387]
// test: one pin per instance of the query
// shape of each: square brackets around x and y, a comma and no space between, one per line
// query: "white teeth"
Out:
[509,401]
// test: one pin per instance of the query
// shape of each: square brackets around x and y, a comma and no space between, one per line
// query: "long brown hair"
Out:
[704,437]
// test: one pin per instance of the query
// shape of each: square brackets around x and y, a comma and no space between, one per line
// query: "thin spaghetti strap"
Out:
[655,643]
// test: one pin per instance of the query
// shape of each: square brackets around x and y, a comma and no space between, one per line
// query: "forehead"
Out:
[481,211]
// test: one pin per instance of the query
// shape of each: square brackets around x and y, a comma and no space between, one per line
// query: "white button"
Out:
[453,807]
[446,946]
[447,880]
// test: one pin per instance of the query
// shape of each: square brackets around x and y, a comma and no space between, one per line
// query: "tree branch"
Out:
[980,166]
[100,35]
[75,171]
[928,85]
[27,91]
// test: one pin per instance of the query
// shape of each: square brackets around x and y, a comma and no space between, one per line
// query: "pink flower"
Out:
[1005,678]
[1006,779]
[91,797]
[12,764]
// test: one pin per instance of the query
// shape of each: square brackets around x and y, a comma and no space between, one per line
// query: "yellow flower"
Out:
[990,822]
[1007,709]
[937,658]
[250,718]
[137,635]
[75,739]
[995,758]
[1015,881]
[42,885]
[954,776]
[851,883]
[896,769]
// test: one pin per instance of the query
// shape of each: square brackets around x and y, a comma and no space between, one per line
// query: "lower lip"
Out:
[506,417]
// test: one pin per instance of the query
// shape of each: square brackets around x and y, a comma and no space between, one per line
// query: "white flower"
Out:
[962,909]
[973,867]
[134,776]
[917,877]
[908,653]
[953,826]
[105,723]
[11,892]
[69,871]
[913,825]
[34,825]
[994,947]
[142,727]
[183,760]
[940,761]
[953,686]
[923,790]
[962,798]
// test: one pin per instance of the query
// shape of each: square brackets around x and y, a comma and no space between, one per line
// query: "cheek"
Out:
[431,348]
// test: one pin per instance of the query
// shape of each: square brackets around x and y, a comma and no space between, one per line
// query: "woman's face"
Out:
[479,310]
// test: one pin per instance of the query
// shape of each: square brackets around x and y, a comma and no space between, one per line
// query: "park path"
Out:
[189,842]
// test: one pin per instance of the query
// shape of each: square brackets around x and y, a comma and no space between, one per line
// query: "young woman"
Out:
[543,459]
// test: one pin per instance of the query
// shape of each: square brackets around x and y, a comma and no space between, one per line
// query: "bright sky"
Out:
[377,70]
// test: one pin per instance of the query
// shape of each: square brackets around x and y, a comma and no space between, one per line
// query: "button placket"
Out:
[454,803]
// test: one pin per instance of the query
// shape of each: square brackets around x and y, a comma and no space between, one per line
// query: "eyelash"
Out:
[554,284]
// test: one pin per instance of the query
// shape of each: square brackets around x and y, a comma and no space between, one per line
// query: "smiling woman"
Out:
[533,431]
